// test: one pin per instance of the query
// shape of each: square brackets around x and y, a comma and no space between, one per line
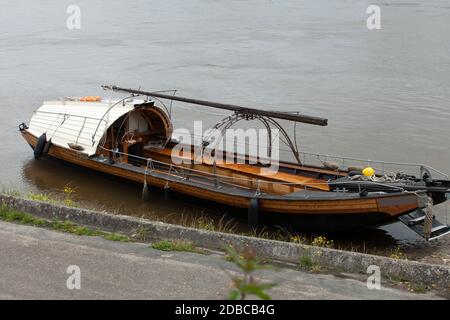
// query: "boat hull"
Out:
[304,212]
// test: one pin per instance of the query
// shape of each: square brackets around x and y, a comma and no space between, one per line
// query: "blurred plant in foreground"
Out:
[246,284]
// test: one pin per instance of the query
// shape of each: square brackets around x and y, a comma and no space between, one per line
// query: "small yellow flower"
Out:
[68,190]
[322,241]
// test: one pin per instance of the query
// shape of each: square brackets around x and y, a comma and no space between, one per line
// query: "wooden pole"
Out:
[238,109]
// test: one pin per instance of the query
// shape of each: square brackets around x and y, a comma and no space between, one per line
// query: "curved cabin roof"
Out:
[80,123]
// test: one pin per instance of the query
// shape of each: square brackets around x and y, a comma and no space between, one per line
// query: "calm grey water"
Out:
[385,92]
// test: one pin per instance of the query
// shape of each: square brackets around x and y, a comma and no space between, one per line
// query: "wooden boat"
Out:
[132,139]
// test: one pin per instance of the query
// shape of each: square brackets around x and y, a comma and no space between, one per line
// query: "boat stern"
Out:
[423,222]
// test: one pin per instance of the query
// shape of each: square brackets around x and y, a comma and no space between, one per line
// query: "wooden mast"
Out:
[238,109]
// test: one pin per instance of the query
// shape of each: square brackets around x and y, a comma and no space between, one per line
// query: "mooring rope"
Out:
[428,223]
[446,213]
[166,186]
[145,187]
[258,188]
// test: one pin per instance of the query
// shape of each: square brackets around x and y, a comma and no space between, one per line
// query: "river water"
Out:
[385,92]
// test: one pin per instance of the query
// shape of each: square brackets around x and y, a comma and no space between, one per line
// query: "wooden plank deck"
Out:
[255,171]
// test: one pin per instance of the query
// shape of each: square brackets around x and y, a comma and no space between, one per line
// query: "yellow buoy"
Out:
[368,172]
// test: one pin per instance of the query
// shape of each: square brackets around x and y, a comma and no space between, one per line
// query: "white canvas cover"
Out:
[80,123]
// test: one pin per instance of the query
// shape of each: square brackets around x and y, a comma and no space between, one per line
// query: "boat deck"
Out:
[255,171]
[227,187]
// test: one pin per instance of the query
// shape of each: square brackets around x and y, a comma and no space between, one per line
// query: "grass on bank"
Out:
[9,215]
[307,263]
[64,197]
[180,245]
[406,284]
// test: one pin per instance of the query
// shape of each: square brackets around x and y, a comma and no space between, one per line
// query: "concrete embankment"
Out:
[35,260]
[332,259]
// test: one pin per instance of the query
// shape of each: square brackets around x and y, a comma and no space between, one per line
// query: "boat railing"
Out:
[345,162]
[383,167]
[186,173]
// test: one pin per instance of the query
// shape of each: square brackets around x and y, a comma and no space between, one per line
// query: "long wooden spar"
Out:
[238,109]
